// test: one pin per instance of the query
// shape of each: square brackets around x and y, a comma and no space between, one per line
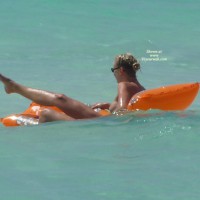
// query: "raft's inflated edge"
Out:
[168,98]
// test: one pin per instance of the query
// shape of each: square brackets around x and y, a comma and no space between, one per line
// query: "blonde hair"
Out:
[128,62]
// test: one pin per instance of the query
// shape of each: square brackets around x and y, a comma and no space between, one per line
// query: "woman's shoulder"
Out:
[131,86]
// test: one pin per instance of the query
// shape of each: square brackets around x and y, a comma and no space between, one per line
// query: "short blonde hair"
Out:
[127,60]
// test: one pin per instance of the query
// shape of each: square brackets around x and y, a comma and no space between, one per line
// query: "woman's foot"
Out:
[8,84]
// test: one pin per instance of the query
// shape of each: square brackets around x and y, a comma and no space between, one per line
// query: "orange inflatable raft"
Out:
[167,98]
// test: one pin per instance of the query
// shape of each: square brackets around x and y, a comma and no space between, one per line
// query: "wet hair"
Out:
[129,63]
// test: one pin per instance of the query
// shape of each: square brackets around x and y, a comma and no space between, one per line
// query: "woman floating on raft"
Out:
[48,106]
[124,69]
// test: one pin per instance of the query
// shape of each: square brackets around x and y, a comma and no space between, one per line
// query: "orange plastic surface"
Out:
[168,98]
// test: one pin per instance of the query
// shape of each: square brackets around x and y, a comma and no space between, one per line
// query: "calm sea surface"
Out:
[69,47]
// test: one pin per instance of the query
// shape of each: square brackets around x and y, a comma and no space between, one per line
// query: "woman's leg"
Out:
[48,115]
[71,107]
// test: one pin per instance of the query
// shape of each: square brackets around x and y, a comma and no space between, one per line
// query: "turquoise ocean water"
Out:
[68,47]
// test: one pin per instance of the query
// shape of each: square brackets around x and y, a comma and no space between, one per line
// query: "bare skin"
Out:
[73,109]
[48,115]
[127,87]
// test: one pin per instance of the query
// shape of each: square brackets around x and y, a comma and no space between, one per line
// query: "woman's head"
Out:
[129,64]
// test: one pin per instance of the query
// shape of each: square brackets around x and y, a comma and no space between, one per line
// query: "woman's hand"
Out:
[101,106]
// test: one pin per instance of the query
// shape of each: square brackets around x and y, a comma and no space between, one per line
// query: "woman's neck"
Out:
[128,79]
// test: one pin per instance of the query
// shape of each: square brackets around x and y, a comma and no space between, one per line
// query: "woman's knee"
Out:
[61,97]
[45,116]
[48,115]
